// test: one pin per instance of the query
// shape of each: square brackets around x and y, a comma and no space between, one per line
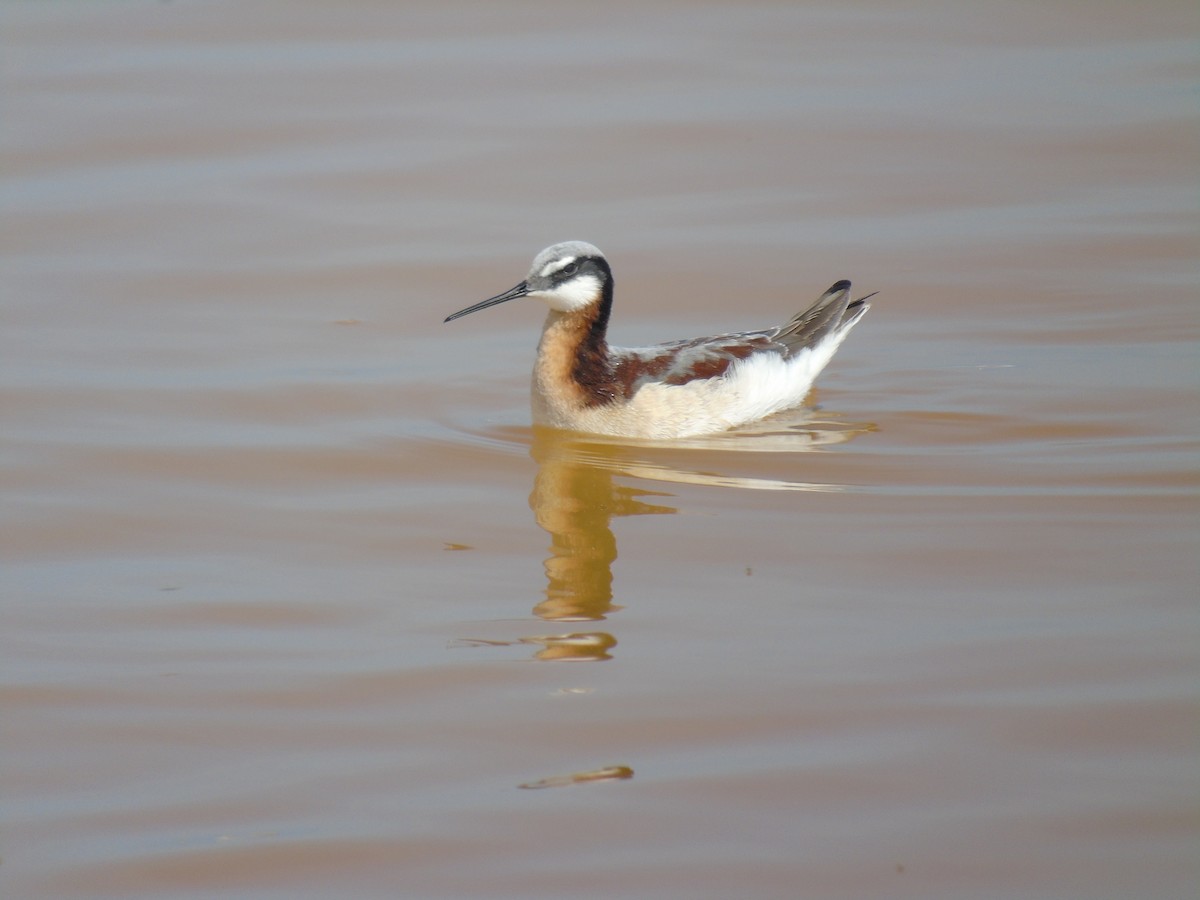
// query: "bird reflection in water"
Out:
[573,499]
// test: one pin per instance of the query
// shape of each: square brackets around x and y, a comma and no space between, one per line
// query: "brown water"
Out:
[290,584]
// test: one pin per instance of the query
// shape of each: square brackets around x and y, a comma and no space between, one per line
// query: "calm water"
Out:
[290,585]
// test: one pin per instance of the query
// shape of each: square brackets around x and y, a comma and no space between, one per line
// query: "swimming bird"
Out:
[678,389]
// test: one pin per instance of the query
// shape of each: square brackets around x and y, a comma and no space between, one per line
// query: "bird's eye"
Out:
[570,269]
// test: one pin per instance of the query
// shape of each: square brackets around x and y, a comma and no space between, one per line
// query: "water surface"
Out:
[291,584]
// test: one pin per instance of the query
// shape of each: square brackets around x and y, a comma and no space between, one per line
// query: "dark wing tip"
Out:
[861,301]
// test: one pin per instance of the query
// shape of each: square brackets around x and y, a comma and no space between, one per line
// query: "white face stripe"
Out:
[578,293]
[555,265]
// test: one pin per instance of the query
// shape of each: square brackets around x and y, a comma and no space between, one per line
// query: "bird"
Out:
[677,389]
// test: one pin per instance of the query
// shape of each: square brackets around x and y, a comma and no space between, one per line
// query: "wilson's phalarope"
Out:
[671,390]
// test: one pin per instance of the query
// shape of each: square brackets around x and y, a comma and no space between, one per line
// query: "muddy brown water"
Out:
[297,604]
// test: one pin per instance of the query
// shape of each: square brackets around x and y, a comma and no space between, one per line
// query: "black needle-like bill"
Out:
[511,294]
